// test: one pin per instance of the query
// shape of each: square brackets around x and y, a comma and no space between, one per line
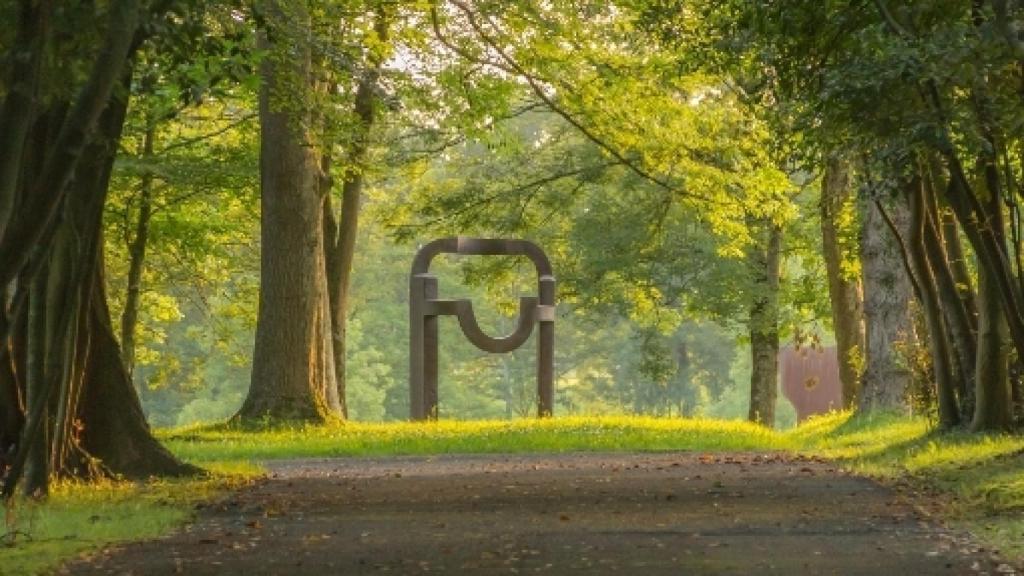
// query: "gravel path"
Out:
[572,514]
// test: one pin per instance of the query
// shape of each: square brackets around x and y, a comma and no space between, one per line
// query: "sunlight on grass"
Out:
[981,476]
[77,517]
[574,434]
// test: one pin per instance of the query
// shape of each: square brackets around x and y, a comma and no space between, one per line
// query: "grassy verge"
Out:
[976,480]
[36,537]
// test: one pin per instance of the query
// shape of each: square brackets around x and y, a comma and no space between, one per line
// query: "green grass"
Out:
[77,518]
[574,434]
[976,480]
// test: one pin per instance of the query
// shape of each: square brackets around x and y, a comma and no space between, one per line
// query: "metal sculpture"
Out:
[425,308]
[810,380]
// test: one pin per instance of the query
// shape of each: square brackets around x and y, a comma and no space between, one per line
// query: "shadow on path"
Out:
[574,514]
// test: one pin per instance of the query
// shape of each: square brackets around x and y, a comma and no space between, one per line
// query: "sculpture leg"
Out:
[546,369]
[546,348]
[430,351]
[416,349]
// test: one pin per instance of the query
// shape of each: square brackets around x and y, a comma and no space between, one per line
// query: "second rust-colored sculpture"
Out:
[425,308]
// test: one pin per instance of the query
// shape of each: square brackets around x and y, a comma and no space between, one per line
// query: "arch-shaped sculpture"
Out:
[425,308]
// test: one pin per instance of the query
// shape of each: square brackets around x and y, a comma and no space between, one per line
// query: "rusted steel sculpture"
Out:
[425,308]
[810,380]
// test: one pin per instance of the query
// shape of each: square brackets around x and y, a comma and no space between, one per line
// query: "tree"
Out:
[293,362]
[341,233]
[80,414]
[843,286]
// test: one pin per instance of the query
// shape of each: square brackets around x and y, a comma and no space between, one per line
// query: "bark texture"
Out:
[887,321]
[115,428]
[766,261]
[292,368]
[993,409]
[844,291]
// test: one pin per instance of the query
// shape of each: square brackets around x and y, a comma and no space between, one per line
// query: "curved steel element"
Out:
[425,308]
[481,247]
[463,309]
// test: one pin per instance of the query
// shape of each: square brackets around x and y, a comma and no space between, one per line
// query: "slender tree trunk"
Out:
[12,415]
[341,236]
[958,263]
[292,363]
[137,256]
[887,320]
[341,279]
[938,337]
[960,327]
[764,329]
[37,473]
[844,291]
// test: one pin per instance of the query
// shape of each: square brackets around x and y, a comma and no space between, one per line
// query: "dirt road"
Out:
[576,514]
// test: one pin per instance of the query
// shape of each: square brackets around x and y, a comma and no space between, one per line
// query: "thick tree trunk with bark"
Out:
[94,407]
[844,291]
[43,200]
[292,370]
[764,328]
[993,409]
[887,320]
[18,107]
[115,428]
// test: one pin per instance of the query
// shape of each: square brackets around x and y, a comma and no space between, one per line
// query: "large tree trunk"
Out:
[993,408]
[18,108]
[887,320]
[79,344]
[292,368]
[764,328]
[28,225]
[844,290]
[114,426]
